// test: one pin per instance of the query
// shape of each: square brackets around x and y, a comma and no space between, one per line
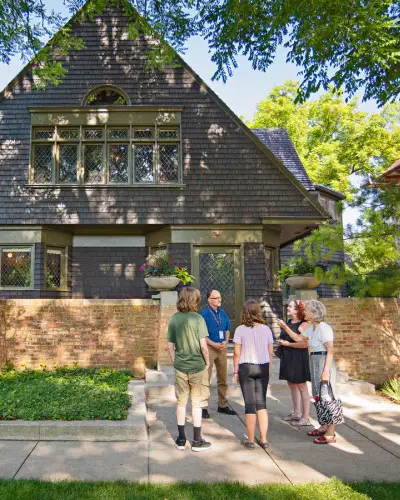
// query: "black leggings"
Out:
[254,383]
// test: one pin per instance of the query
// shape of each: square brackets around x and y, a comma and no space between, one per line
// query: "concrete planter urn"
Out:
[162,283]
[305,282]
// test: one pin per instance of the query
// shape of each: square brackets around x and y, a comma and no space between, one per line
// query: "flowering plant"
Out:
[159,265]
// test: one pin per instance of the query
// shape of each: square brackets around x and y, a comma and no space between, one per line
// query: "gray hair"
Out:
[317,309]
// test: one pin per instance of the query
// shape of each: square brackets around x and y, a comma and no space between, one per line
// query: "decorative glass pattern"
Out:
[171,133]
[118,133]
[94,133]
[44,133]
[118,162]
[144,171]
[169,163]
[54,261]
[106,97]
[68,162]
[93,163]
[143,133]
[43,163]
[16,268]
[68,133]
[217,271]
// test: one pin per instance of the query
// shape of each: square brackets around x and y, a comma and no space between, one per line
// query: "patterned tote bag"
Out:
[329,409]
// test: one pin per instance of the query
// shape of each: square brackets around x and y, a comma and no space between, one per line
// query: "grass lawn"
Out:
[333,489]
[64,394]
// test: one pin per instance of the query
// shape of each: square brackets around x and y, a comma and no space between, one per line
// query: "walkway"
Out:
[368,447]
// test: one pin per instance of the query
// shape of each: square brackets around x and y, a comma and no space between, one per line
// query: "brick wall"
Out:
[367,336]
[95,333]
[111,273]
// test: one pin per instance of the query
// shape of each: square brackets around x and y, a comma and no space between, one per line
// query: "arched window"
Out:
[106,95]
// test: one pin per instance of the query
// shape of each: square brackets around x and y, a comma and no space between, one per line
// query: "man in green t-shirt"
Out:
[187,347]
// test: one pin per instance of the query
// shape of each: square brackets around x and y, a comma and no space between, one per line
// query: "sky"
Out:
[241,93]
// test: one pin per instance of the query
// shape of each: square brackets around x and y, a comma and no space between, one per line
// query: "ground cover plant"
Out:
[64,394]
[333,489]
[391,389]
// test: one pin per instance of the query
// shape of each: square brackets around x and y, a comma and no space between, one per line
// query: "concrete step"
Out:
[354,387]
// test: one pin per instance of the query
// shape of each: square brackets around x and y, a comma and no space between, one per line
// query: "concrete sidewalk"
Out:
[367,448]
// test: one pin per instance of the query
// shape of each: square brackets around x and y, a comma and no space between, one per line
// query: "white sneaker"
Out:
[292,416]
[302,422]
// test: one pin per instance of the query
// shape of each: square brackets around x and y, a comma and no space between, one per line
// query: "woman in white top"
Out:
[323,369]
[251,360]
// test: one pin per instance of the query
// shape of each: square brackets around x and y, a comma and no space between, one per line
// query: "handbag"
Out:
[329,409]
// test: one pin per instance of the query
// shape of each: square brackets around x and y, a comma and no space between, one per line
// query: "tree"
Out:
[352,44]
[333,138]
[335,141]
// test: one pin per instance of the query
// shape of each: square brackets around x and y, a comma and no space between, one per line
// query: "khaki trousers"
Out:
[221,364]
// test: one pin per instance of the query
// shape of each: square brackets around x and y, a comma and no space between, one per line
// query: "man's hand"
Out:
[222,346]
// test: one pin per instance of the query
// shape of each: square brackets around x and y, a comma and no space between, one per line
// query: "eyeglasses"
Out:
[214,298]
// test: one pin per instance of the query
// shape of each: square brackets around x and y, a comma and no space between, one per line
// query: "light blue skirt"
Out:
[317,363]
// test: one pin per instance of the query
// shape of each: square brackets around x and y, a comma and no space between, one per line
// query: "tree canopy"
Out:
[350,44]
[333,138]
[336,142]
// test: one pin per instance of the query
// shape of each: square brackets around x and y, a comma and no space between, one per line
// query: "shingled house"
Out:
[119,160]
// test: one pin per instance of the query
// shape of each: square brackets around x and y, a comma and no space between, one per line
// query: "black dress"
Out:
[295,366]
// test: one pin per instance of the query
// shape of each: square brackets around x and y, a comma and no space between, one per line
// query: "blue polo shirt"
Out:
[216,321]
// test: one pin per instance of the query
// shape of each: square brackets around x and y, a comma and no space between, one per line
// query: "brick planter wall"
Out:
[94,333]
[367,337]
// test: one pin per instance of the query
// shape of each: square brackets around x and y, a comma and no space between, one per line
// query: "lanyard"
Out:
[217,318]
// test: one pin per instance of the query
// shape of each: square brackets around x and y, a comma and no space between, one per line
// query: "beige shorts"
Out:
[195,385]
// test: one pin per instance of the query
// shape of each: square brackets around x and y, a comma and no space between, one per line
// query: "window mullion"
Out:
[105,157]
[80,158]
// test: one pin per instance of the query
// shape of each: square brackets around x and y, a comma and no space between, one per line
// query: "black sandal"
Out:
[264,446]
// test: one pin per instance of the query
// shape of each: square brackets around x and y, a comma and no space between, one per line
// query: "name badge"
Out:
[221,335]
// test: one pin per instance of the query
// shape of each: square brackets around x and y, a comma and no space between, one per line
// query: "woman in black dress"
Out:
[295,367]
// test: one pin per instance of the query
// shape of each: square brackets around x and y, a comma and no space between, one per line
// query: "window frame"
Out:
[106,142]
[17,247]
[64,268]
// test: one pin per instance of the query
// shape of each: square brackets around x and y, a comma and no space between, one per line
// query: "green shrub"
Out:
[64,394]
[391,388]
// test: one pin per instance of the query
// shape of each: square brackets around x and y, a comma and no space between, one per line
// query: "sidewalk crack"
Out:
[26,458]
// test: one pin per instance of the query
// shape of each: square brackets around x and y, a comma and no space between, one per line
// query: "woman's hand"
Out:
[235,378]
[282,324]
[324,376]
[283,342]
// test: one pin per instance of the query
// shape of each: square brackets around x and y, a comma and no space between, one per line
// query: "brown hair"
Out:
[189,299]
[251,313]
[300,307]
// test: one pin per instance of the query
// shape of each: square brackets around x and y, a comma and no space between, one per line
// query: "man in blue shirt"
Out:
[218,326]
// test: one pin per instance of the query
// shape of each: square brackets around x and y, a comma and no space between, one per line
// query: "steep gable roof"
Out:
[278,141]
[280,163]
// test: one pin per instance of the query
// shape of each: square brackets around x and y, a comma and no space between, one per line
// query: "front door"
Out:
[220,268]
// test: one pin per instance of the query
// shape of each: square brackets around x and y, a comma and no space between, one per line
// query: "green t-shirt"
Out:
[185,330]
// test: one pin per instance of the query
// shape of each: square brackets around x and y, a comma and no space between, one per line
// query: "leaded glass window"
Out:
[93,163]
[43,163]
[55,271]
[68,163]
[144,171]
[118,163]
[16,268]
[117,154]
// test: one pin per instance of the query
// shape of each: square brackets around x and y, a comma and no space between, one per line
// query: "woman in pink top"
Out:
[251,360]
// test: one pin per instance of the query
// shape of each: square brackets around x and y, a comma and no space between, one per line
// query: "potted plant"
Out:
[300,274]
[161,274]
